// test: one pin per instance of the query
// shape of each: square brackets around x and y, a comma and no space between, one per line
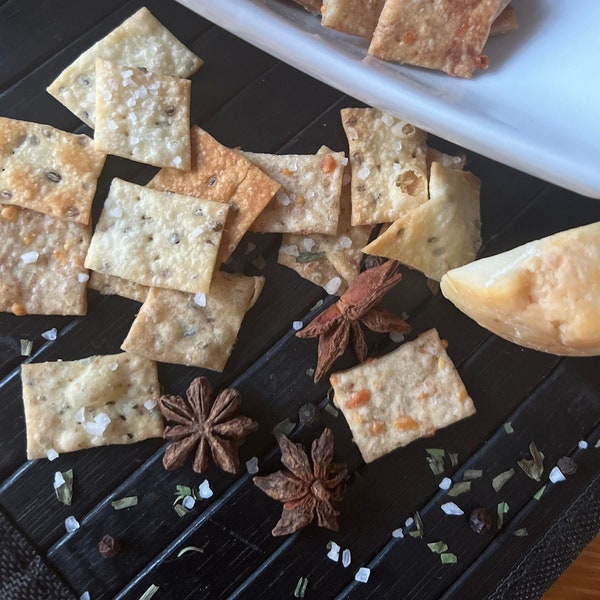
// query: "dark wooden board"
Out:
[247,98]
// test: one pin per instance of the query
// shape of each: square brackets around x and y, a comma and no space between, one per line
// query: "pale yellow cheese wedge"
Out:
[543,295]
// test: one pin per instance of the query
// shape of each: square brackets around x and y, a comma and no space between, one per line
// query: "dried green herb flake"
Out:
[26,347]
[286,427]
[448,558]
[503,508]
[189,549]
[149,593]
[438,547]
[301,586]
[471,474]
[126,502]
[500,479]
[520,532]
[460,487]
[535,467]
[508,427]
[306,257]
[64,492]
[539,493]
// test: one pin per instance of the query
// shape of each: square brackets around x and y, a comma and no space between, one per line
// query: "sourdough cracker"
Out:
[48,170]
[309,198]
[157,238]
[223,175]
[407,394]
[41,263]
[110,285]
[442,234]
[142,41]
[355,17]
[389,165]
[95,401]
[142,115]
[194,330]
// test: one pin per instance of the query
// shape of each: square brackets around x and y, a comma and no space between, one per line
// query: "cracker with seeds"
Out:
[142,41]
[436,34]
[309,198]
[143,116]
[194,330]
[355,17]
[224,175]
[388,157]
[441,234]
[41,263]
[48,170]
[407,394]
[95,401]
[157,238]
[110,285]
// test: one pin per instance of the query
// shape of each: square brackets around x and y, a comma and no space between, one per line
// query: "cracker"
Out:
[221,174]
[441,234]
[309,198]
[451,161]
[142,41]
[95,401]
[142,115]
[41,263]
[157,238]
[389,165]
[200,330]
[407,394]
[436,34]
[355,17]
[109,285]
[48,170]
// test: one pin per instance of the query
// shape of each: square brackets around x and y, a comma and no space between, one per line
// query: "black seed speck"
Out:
[53,176]
[212,181]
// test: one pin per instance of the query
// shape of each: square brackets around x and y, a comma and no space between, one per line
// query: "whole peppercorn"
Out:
[109,547]
[480,520]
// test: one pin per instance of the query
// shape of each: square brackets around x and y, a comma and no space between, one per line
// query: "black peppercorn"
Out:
[567,465]
[307,414]
[109,547]
[480,520]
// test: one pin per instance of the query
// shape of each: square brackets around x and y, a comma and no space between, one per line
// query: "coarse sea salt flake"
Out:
[450,508]
[333,285]
[30,257]
[196,232]
[115,212]
[80,415]
[188,502]
[126,74]
[396,337]
[362,575]
[150,404]
[252,465]
[334,552]
[387,119]
[344,161]
[582,445]
[51,454]
[113,366]
[409,522]
[310,194]
[85,596]
[83,277]
[398,533]
[308,243]
[204,490]
[135,140]
[556,475]
[71,524]
[345,242]
[445,484]
[297,325]
[346,558]
[154,86]
[200,299]
[364,172]
[131,102]
[177,161]
[283,199]
[397,146]
[58,479]
[293,167]
[50,335]
[112,125]
[290,250]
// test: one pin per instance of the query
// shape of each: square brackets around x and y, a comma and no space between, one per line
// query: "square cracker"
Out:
[224,175]
[67,403]
[142,41]
[199,330]
[355,17]
[388,157]
[142,115]
[309,198]
[436,34]
[441,234]
[48,170]
[401,396]
[109,285]
[41,263]
[157,238]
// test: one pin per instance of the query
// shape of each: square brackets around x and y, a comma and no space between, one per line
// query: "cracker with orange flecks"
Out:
[355,17]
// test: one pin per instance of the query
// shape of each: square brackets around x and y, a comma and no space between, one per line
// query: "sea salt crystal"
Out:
[154,86]
[333,285]
[364,172]
[177,161]
[112,125]
[334,552]
[396,337]
[115,212]
[344,161]
[450,508]
[290,250]
[58,480]
[409,522]
[71,524]
[346,558]
[126,74]
[398,533]
[556,475]
[150,404]
[85,596]
[397,167]
[131,102]
[83,277]
[310,194]
[297,325]
[30,257]
[283,199]
[196,232]
[98,425]
[50,335]
[387,119]
[293,167]
[80,415]
[200,299]
[345,242]
[582,445]
[204,490]
[363,574]
[188,502]
[397,146]
[308,243]
[445,484]
[135,140]
[252,465]
[113,366]
[51,454]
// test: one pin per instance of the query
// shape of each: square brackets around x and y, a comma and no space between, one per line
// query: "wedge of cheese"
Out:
[543,295]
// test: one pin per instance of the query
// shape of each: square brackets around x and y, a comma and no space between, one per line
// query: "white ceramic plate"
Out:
[537,108]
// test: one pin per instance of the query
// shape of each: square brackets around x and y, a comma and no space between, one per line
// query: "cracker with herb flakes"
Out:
[110,285]
[48,170]
[224,175]
[442,234]
[142,41]
[41,263]
[404,395]
[157,238]
[194,330]
[355,17]
[309,198]
[95,401]
[143,116]
[388,157]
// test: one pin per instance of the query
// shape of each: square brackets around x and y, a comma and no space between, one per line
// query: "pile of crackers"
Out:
[437,34]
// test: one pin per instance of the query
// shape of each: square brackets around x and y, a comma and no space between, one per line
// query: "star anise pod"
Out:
[209,426]
[341,322]
[306,490]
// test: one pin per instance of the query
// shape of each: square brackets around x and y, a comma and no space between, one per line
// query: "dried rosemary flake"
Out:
[190,549]
[436,466]
[520,532]
[471,474]
[508,427]
[149,593]
[460,487]
[503,508]
[419,525]
[64,492]
[317,305]
[500,479]
[286,427]
[437,547]
[181,491]
[126,502]
[448,558]
[181,510]
[597,444]
[453,456]
[533,468]
[301,586]
[26,347]
[539,493]
[306,257]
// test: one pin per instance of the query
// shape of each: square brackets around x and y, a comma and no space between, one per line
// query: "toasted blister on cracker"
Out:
[48,170]
[355,17]
[442,234]
[157,238]
[309,198]
[197,330]
[142,115]
[142,41]
[388,157]
[436,34]
[41,263]
[95,401]
[224,175]
[110,285]
[404,395]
